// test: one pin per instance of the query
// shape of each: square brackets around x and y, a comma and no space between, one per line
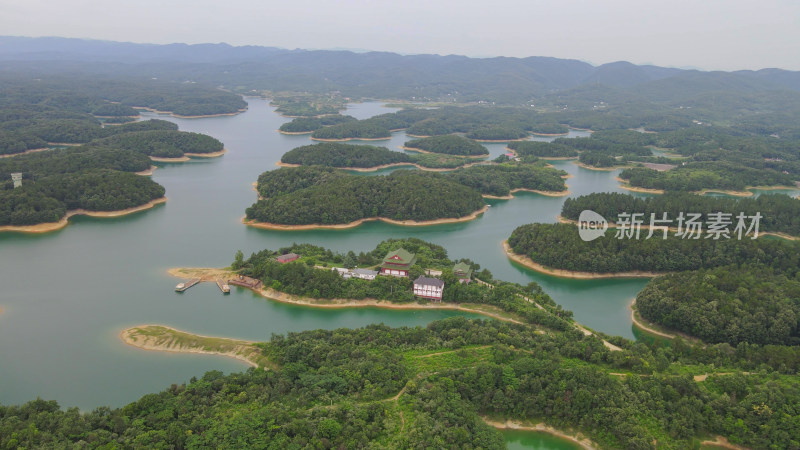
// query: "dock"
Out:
[223,286]
[186,285]
[246,282]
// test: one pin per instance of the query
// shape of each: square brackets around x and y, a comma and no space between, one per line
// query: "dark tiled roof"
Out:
[429,282]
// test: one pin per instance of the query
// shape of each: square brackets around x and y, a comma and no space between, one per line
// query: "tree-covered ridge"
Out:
[114,110]
[732,304]
[542,149]
[334,154]
[450,144]
[559,246]
[86,93]
[341,198]
[166,143]
[417,387]
[309,124]
[502,179]
[779,213]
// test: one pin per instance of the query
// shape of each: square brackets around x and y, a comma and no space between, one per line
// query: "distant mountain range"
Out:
[378,74]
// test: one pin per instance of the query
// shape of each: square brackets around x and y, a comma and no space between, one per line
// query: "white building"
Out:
[364,274]
[430,288]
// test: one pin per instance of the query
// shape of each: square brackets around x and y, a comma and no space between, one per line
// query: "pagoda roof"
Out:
[400,256]
[462,267]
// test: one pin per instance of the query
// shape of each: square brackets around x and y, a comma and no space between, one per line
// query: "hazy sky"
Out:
[707,34]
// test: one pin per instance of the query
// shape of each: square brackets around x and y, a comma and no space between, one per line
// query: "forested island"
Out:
[87,178]
[303,125]
[95,177]
[542,149]
[559,246]
[450,144]
[318,196]
[322,196]
[411,387]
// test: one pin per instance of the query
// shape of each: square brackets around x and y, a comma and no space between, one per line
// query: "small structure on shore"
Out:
[17,179]
[289,257]
[398,262]
[223,286]
[430,288]
[246,282]
[364,274]
[463,272]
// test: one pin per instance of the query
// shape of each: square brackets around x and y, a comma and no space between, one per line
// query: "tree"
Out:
[238,260]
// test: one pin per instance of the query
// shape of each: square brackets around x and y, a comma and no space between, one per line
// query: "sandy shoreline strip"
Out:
[147,172]
[53,226]
[206,155]
[141,336]
[529,263]
[389,166]
[535,191]
[211,274]
[639,322]
[295,133]
[170,113]
[601,169]
[407,223]
[33,150]
[584,443]
[419,150]
[351,139]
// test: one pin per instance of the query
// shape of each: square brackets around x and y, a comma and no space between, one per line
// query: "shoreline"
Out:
[53,226]
[535,191]
[33,150]
[148,172]
[625,185]
[501,140]
[540,427]
[561,273]
[410,223]
[550,134]
[419,150]
[202,116]
[601,169]
[351,139]
[389,166]
[210,274]
[638,322]
[295,133]
[187,156]
[131,336]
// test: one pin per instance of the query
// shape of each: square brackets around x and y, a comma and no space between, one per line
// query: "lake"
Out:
[68,294]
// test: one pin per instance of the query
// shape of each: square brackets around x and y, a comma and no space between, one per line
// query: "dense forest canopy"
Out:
[339,388]
[323,195]
[163,143]
[309,124]
[333,154]
[332,198]
[450,144]
[779,213]
[731,304]
[559,246]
